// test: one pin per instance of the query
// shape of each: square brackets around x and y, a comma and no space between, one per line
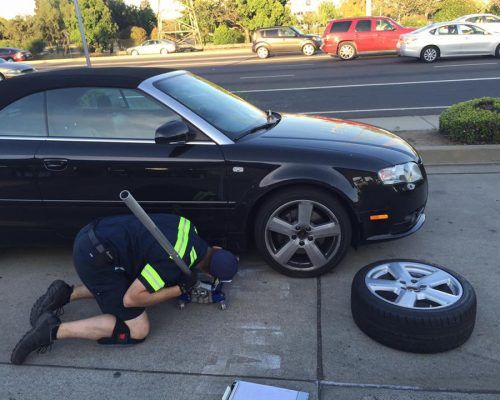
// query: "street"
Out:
[292,333]
[365,87]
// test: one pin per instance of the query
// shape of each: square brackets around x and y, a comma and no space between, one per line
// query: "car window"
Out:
[491,19]
[471,30]
[384,25]
[105,113]
[472,19]
[24,117]
[286,32]
[448,30]
[364,25]
[341,26]
[270,33]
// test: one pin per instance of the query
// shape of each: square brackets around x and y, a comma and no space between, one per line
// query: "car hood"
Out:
[340,135]
[15,66]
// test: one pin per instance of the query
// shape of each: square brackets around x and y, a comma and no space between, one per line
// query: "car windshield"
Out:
[423,29]
[228,113]
[297,30]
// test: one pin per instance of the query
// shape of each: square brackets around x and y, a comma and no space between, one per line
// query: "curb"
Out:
[460,154]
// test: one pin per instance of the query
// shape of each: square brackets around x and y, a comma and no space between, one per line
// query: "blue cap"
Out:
[223,265]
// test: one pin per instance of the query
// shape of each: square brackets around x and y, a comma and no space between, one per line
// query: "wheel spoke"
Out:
[286,252]
[406,299]
[435,279]
[437,296]
[399,272]
[384,285]
[279,226]
[305,213]
[325,230]
[315,254]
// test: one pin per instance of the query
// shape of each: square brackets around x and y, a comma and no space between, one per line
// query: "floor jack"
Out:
[206,292]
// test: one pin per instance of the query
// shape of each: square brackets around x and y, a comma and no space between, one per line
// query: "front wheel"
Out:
[429,54]
[303,232]
[308,49]
[163,51]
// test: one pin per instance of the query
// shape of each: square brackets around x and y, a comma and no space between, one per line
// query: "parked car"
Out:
[13,54]
[449,39]
[160,46]
[489,22]
[9,70]
[280,39]
[350,37]
[302,188]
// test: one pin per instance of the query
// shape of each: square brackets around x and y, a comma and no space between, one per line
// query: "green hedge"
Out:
[225,35]
[472,122]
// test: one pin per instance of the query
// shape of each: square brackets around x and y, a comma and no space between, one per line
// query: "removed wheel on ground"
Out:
[429,54]
[347,51]
[413,306]
[303,232]
[308,49]
[262,52]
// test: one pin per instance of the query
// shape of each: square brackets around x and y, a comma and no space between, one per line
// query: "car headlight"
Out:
[402,173]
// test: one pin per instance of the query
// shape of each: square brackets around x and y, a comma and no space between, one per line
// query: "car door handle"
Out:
[55,164]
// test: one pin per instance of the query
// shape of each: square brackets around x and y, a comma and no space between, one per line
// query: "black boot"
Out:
[38,338]
[56,296]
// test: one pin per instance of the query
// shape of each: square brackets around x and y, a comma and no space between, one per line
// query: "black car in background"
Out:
[302,189]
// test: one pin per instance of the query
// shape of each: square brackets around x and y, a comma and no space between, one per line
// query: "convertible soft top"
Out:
[123,77]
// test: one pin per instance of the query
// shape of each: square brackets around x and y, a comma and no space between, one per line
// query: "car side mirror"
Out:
[172,132]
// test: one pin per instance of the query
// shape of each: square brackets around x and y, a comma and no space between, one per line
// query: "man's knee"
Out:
[139,326]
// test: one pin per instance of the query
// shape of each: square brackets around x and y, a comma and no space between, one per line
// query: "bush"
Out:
[451,9]
[472,122]
[414,21]
[225,35]
[35,46]
[138,35]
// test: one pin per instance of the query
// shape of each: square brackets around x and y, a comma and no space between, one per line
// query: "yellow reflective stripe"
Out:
[182,237]
[192,256]
[152,277]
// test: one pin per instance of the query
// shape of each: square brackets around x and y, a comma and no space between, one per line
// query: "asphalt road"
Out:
[287,332]
[365,87]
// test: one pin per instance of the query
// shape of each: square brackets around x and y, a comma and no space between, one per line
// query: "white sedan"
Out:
[489,22]
[160,46]
[449,39]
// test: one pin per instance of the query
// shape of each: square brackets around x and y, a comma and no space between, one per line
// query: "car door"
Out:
[387,35]
[475,40]
[101,141]
[22,131]
[147,47]
[366,37]
[449,41]
[290,41]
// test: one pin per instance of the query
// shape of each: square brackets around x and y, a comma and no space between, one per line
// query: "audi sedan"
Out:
[449,39]
[301,189]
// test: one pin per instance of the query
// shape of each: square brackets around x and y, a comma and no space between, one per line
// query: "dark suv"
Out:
[284,39]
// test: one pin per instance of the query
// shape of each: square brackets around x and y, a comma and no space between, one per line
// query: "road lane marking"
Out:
[367,85]
[463,65]
[265,76]
[375,110]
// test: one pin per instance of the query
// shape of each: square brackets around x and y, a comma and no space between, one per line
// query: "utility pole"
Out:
[368,8]
[159,27]
[82,33]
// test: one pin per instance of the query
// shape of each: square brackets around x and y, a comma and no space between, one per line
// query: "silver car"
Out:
[9,69]
[449,39]
[161,46]
[489,22]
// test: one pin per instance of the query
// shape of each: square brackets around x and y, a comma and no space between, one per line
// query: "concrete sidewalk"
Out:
[435,149]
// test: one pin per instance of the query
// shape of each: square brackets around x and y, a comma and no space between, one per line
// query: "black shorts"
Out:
[107,283]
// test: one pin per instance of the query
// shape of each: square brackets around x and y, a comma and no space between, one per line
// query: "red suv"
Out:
[11,54]
[349,37]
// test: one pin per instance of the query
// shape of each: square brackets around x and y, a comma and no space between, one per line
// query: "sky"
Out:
[9,8]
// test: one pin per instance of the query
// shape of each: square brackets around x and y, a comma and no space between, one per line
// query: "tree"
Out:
[126,17]
[99,25]
[138,34]
[352,8]
[209,14]
[225,35]
[146,17]
[451,9]
[326,12]
[494,7]
[48,20]
[19,29]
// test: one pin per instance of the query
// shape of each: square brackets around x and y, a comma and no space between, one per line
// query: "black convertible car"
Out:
[302,189]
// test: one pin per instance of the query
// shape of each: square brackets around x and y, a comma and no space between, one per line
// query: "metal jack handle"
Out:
[148,223]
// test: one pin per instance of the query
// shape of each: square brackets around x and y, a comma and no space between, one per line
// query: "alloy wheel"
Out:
[430,54]
[413,285]
[303,235]
[346,52]
[262,52]
[308,49]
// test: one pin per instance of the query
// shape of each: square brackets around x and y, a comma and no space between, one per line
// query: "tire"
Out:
[308,49]
[262,52]
[429,54]
[2,78]
[9,59]
[347,51]
[134,53]
[163,51]
[497,52]
[422,328]
[327,250]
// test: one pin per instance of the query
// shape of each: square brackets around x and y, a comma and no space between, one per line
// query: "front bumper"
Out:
[418,220]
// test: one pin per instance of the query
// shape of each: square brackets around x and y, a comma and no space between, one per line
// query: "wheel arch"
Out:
[302,183]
